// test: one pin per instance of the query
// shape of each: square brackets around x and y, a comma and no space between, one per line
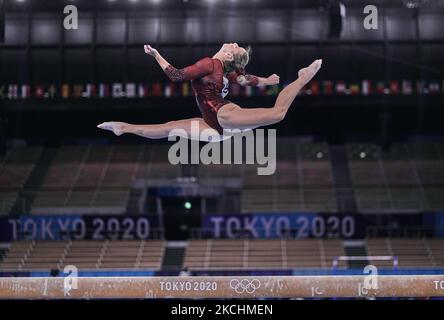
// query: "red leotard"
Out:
[207,81]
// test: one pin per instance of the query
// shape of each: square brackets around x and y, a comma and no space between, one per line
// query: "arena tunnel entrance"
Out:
[180,216]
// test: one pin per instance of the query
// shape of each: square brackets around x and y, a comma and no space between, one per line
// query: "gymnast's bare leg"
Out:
[160,131]
[231,116]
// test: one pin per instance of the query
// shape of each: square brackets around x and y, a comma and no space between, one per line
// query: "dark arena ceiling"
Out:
[49,5]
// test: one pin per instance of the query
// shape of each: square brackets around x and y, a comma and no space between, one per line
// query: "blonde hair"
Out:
[239,61]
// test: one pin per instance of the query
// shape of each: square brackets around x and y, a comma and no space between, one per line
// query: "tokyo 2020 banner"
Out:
[319,225]
[292,225]
[77,227]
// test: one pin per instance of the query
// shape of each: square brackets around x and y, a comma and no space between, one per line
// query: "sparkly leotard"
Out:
[210,86]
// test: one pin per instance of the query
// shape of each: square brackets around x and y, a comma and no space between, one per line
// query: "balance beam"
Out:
[220,287]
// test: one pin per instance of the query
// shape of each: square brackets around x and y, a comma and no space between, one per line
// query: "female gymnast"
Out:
[210,78]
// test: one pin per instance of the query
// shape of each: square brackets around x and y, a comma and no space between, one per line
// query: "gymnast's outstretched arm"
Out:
[197,70]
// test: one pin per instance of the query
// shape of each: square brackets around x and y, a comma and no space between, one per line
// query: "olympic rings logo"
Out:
[245,285]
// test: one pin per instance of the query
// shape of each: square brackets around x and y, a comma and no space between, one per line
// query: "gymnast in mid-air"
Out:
[210,79]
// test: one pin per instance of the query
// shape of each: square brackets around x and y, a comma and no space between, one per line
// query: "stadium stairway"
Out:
[135,205]
[342,180]
[173,256]
[25,200]
[3,252]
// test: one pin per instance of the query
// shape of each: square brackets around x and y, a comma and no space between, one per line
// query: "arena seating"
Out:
[86,255]
[436,248]
[411,253]
[15,168]
[98,179]
[261,254]
[308,253]
[218,254]
[7,200]
[408,178]
[154,163]
[302,182]
[93,179]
